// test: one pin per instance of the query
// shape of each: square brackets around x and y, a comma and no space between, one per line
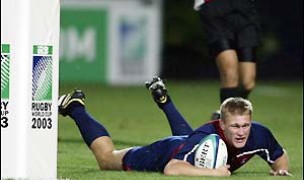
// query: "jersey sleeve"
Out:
[186,153]
[273,149]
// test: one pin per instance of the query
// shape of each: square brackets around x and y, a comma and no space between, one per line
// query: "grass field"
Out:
[133,119]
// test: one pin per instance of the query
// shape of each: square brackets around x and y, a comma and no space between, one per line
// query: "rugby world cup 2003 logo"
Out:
[5,70]
[42,79]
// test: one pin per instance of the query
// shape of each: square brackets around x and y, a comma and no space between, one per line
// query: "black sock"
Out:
[244,93]
[226,93]
[178,124]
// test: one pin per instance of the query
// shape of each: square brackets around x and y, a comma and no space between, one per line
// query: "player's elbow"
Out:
[281,163]
[170,169]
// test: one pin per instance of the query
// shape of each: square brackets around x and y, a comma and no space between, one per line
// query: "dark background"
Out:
[280,56]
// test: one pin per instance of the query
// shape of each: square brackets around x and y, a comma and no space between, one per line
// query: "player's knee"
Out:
[249,86]
[229,80]
[105,161]
[106,164]
[110,161]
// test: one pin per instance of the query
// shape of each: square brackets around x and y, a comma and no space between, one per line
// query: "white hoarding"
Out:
[29,88]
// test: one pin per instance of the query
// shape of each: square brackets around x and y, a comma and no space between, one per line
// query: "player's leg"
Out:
[219,22]
[93,133]
[248,40]
[227,63]
[220,35]
[107,157]
[247,78]
[177,122]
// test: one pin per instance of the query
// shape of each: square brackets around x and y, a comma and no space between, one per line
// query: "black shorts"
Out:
[233,21]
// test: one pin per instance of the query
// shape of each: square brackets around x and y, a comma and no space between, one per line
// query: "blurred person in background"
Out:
[232,33]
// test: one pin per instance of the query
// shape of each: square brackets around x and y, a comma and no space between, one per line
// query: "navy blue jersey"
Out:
[260,142]
[154,157]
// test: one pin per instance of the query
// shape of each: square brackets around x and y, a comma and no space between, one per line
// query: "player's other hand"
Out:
[223,170]
[280,173]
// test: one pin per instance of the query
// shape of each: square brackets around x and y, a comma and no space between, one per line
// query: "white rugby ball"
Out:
[211,152]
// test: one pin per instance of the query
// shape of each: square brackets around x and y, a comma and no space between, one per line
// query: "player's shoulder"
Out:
[259,129]
[258,125]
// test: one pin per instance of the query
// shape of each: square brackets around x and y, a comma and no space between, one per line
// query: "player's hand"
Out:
[280,173]
[223,170]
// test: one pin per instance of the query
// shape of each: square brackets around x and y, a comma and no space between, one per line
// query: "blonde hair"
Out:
[236,106]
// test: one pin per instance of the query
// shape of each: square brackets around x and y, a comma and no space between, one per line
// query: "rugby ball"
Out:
[211,152]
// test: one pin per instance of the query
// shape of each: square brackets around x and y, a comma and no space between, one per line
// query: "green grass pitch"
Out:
[133,119]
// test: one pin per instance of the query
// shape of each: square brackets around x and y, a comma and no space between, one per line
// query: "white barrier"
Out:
[29,88]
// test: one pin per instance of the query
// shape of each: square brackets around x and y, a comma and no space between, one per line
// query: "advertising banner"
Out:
[110,41]
[83,44]
[135,42]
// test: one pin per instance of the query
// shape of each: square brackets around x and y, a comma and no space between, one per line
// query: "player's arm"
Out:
[280,166]
[179,167]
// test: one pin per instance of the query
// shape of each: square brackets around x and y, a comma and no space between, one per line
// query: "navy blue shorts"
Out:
[234,21]
[153,157]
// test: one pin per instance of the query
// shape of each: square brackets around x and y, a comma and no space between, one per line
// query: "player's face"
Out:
[236,129]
